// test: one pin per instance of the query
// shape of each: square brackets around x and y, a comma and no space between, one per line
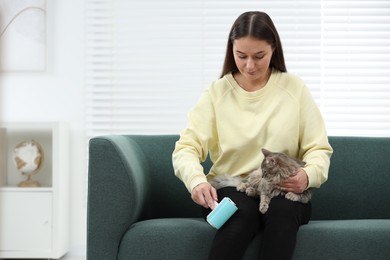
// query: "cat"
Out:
[275,168]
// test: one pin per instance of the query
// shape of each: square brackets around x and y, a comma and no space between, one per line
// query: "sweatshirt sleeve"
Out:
[315,149]
[194,143]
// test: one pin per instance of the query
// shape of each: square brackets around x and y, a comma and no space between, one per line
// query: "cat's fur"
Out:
[275,168]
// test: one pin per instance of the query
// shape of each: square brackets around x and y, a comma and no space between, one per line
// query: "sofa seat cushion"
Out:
[190,238]
[168,238]
[353,239]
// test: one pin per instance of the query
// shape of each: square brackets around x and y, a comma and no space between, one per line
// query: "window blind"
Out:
[356,67]
[148,61]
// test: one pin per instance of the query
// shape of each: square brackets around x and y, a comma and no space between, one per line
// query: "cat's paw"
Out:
[263,207]
[250,191]
[258,172]
[241,187]
[292,196]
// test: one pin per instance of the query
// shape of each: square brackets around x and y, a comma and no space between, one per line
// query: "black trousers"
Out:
[279,227]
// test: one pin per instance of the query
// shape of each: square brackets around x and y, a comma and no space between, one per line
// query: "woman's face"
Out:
[252,57]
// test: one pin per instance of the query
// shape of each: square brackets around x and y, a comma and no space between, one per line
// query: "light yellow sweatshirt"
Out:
[232,125]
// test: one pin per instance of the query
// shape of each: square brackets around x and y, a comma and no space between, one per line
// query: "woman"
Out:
[254,104]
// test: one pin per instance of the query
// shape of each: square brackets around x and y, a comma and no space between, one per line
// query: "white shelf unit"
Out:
[34,222]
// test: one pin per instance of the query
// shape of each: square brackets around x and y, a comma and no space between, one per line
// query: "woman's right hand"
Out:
[204,195]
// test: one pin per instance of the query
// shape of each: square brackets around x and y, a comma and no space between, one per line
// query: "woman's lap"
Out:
[279,226]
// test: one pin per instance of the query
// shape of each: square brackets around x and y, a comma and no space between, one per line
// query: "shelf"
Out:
[46,207]
[18,189]
[47,135]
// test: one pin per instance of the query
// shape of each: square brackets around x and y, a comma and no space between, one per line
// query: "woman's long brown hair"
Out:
[260,26]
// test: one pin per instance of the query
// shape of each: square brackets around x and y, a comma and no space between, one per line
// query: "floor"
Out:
[63,258]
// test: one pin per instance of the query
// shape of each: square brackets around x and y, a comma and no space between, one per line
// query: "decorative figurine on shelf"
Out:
[28,158]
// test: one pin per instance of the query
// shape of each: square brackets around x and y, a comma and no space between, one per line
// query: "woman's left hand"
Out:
[296,184]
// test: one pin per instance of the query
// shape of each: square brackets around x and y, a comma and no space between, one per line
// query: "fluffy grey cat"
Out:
[274,169]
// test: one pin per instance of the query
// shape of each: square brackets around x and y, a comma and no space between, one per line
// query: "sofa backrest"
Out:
[169,197]
[358,186]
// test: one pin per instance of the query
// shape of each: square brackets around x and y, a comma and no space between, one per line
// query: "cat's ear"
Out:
[265,152]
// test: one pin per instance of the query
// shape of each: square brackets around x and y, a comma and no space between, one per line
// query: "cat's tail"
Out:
[225,180]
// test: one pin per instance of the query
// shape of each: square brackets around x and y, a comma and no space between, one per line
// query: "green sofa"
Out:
[138,209]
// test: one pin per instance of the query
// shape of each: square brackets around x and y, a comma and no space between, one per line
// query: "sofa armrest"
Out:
[118,183]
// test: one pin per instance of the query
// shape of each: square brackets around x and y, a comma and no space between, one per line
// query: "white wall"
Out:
[57,95]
